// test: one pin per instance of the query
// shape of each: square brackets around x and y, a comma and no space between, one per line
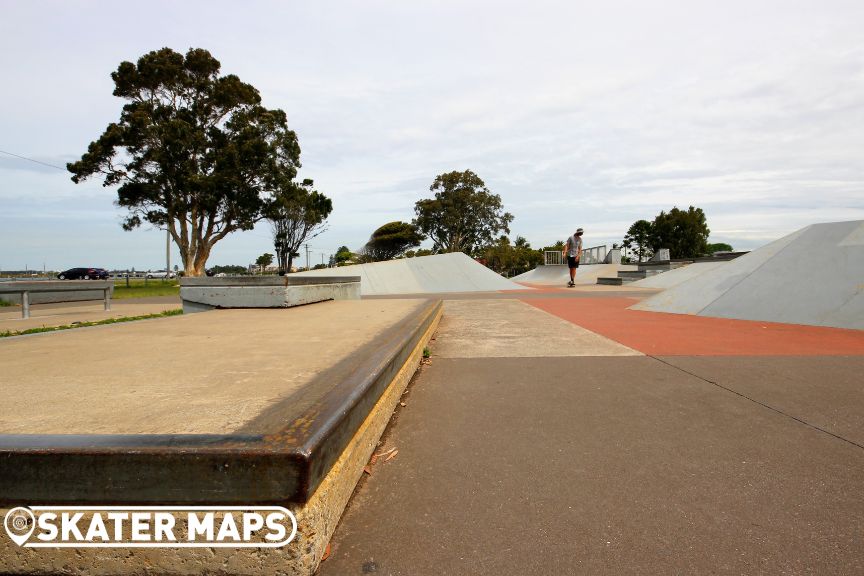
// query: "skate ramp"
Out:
[813,276]
[440,273]
[677,276]
[560,275]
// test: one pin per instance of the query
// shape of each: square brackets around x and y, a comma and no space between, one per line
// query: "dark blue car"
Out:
[83,274]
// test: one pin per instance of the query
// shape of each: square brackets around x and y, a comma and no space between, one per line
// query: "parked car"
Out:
[160,274]
[83,274]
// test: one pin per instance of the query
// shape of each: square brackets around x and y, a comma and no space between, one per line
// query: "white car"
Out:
[160,274]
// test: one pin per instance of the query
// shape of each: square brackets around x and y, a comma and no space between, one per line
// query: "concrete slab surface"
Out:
[599,466]
[440,273]
[511,328]
[71,312]
[209,373]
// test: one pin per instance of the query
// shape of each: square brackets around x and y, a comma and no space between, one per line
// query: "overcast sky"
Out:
[591,114]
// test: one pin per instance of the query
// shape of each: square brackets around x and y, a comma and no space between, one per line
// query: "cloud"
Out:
[595,114]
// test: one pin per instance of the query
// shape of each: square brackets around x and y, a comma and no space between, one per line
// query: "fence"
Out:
[593,255]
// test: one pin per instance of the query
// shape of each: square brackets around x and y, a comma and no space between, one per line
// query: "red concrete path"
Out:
[684,335]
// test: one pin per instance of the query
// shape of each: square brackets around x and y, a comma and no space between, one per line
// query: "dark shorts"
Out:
[572,262]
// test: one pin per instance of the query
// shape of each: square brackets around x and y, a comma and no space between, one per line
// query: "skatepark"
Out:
[452,421]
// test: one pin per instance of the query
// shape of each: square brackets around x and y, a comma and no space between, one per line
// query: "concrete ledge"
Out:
[367,400]
[267,460]
[200,294]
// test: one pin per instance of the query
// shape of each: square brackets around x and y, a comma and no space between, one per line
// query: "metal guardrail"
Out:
[27,288]
[553,258]
[593,255]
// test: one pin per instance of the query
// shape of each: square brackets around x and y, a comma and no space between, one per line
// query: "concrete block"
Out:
[613,256]
[317,516]
[200,294]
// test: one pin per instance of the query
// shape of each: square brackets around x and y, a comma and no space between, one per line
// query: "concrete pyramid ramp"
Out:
[453,272]
[559,275]
[813,276]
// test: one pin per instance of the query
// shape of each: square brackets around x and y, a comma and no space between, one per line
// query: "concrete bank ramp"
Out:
[677,276]
[559,275]
[813,276]
[453,272]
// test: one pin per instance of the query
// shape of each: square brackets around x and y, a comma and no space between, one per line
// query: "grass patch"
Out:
[138,288]
[5,303]
[164,314]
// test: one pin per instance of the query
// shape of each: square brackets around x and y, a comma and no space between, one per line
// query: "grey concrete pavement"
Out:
[207,373]
[826,392]
[599,466]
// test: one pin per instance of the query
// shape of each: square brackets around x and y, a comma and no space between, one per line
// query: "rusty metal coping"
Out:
[268,460]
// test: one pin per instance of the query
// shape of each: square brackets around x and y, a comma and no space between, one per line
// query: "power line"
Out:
[32,160]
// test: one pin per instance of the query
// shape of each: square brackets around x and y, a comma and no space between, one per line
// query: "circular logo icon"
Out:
[19,524]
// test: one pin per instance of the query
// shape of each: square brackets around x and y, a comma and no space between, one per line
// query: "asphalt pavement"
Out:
[642,443]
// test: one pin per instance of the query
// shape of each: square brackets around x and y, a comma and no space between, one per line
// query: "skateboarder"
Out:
[573,252]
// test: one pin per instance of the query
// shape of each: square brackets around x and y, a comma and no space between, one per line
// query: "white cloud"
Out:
[582,113]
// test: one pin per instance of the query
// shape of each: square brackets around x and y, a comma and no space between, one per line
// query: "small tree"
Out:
[343,255]
[638,238]
[264,261]
[719,247]
[193,151]
[229,269]
[511,259]
[297,215]
[392,240]
[684,233]
[463,216]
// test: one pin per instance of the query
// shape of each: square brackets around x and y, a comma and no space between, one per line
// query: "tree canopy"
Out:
[719,247]
[638,238]
[343,255]
[684,233]
[392,240]
[264,261]
[511,259]
[192,151]
[463,216]
[297,215]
